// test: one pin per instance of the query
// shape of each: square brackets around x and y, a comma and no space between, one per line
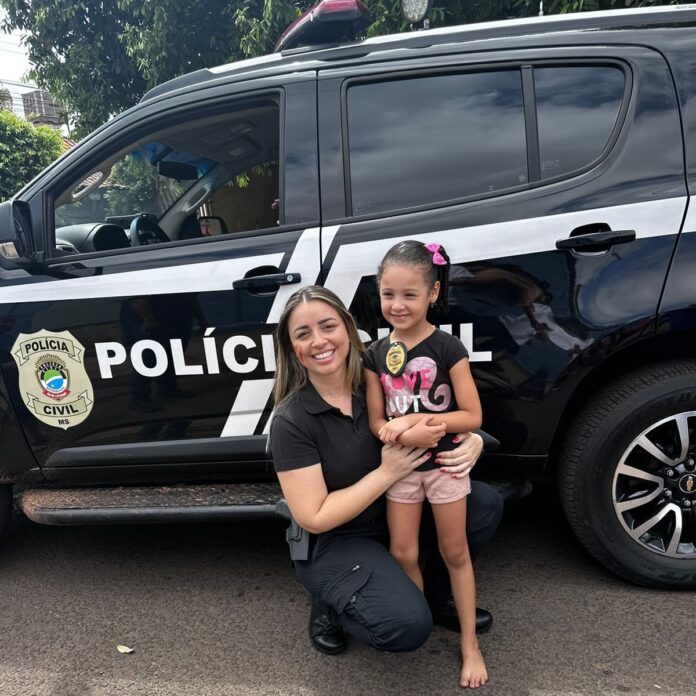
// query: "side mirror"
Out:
[17,248]
[212,226]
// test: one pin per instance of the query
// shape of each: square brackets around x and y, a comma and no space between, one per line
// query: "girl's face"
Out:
[405,296]
[319,338]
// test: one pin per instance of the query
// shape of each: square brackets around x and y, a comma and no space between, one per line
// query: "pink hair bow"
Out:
[438,258]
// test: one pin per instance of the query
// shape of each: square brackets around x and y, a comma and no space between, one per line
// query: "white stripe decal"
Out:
[167,280]
[254,394]
[327,237]
[690,218]
[505,239]
[305,261]
[246,411]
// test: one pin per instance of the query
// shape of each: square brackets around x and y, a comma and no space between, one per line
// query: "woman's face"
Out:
[319,338]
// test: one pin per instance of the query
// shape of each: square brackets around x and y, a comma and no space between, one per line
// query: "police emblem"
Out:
[395,360]
[52,377]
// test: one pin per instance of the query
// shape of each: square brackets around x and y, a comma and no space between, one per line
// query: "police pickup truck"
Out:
[142,274]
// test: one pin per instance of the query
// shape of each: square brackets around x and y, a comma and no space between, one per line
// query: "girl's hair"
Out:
[413,253]
[290,375]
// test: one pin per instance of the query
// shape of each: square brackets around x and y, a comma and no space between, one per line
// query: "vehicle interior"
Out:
[211,176]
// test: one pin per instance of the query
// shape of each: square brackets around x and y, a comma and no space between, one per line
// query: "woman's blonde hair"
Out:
[290,375]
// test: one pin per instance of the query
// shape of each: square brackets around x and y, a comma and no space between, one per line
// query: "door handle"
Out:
[596,241]
[263,281]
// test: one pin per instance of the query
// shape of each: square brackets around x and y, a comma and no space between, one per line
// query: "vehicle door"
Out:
[554,179]
[142,346]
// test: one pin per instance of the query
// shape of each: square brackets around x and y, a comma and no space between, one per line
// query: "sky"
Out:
[13,67]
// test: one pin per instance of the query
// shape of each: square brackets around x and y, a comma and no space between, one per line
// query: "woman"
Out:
[333,474]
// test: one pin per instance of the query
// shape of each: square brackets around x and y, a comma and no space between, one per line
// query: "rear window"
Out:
[577,109]
[422,140]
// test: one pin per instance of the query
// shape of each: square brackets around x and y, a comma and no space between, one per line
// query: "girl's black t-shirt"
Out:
[424,386]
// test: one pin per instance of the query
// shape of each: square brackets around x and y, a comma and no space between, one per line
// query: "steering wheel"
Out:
[145,230]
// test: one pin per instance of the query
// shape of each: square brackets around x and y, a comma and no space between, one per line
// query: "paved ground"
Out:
[215,609]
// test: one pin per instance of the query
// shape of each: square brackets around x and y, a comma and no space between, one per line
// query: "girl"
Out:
[420,391]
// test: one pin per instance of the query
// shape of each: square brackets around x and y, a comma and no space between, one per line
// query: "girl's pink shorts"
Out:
[434,485]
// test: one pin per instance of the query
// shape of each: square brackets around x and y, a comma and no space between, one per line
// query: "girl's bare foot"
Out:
[474,672]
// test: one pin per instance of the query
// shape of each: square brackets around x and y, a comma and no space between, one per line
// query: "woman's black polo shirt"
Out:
[306,430]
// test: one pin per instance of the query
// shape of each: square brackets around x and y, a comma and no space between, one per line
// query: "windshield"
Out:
[134,184]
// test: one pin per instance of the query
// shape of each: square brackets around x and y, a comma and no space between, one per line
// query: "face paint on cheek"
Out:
[298,353]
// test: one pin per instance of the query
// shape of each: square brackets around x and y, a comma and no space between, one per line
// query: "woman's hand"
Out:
[399,461]
[459,462]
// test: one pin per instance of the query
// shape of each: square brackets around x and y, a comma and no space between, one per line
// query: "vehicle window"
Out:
[577,108]
[201,177]
[429,139]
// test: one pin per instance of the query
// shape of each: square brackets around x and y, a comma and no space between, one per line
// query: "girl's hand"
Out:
[391,430]
[459,462]
[424,433]
[399,461]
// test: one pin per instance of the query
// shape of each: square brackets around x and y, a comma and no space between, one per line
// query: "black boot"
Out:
[324,634]
[445,615]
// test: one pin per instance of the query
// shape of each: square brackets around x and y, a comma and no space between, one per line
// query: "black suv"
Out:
[554,158]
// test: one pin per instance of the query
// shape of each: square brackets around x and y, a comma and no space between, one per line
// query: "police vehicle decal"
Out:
[349,262]
[506,239]
[53,381]
[690,218]
[200,277]
[353,261]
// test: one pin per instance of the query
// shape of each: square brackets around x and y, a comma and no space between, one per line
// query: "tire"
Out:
[625,476]
[5,507]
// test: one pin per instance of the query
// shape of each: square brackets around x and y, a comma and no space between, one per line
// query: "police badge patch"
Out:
[395,360]
[53,381]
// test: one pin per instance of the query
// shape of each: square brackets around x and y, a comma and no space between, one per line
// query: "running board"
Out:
[142,505]
[165,504]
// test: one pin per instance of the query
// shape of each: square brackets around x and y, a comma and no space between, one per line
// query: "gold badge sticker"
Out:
[52,377]
[396,358]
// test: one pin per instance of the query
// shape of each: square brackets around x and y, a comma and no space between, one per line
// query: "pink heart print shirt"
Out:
[424,386]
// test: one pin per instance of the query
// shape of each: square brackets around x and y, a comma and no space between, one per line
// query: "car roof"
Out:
[308,57]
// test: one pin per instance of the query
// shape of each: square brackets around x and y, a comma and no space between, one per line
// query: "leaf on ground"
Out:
[124,649]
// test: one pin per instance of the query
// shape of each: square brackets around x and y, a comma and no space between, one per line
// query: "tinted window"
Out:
[436,138]
[226,165]
[576,111]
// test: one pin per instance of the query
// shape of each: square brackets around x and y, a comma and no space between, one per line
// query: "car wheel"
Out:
[5,507]
[627,476]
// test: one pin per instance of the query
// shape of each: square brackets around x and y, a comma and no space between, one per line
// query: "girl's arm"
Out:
[391,431]
[469,416]
[317,510]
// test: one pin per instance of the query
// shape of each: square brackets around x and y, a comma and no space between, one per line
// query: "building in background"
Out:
[41,108]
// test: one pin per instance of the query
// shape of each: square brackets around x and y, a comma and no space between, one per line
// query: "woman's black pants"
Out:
[375,601]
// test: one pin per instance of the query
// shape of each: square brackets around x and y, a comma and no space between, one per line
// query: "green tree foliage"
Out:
[99,57]
[79,54]
[135,186]
[24,151]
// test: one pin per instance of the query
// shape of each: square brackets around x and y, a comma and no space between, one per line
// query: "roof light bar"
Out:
[329,21]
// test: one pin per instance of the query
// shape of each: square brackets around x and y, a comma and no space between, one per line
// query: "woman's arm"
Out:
[374,399]
[317,510]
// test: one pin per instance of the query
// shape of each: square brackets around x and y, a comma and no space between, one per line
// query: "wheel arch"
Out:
[656,349]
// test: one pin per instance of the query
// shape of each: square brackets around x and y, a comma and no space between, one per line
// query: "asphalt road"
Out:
[215,609]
